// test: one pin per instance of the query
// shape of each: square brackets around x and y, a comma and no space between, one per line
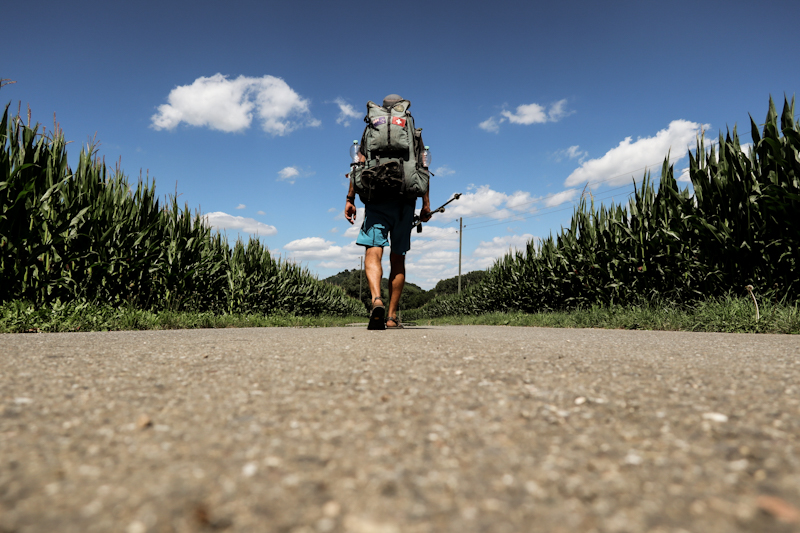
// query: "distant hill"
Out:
[414,296]
[450,285]
[349,281]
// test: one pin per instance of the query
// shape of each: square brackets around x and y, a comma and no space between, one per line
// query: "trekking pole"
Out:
[418,222]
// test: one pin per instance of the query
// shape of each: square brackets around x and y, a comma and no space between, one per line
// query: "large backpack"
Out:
[393,153]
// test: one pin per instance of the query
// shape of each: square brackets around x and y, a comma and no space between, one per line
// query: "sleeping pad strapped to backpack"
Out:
[392,147]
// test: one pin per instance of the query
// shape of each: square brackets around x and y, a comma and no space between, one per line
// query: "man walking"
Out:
[389,177]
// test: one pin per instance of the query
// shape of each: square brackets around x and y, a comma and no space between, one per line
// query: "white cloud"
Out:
[552,200]
[558,111]
[488,252]
[527,114]
[222,221]
[230,104]
[629,159]
[312,249]
[260,213]
[490,124]
[519,201]
[427,265]
[573,152]
[289,174]
[444,170]
[684,176]
[346,112]
[435,233]
[308,244]
[334,230]
[241,206]
[483,201]
[433,255]
[328,253]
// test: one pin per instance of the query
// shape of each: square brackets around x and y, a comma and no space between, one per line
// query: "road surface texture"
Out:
[463,428]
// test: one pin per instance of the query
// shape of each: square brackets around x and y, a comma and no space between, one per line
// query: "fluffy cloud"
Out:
[519,201]
[558,111]
[435,234]
[630,158]
[318,249]
[527,114]
[241,206]
[230,104]
[490,124]
[432,260]
[573,152]
[552,200]
[428,268]
[484,201]
[289,174]
[488,252]
[444,170]
[223,221]
[346,112]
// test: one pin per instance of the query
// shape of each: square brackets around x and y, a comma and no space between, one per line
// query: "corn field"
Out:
[667,244]
[87,235]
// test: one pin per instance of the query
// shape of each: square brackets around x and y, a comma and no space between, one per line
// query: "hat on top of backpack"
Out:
[392,99]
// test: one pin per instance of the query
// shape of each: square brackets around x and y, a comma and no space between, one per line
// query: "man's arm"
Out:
[425,212]
[350,206]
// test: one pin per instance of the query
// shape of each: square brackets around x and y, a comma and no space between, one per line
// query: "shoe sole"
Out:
[376,321]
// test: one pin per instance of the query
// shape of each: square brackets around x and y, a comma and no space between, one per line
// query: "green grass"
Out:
[721,315]
[23,317]
[733,315]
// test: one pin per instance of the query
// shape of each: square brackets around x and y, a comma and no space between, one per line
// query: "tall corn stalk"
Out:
[88,235]
[737,228]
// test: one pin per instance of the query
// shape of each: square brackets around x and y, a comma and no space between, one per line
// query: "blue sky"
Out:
[249,108]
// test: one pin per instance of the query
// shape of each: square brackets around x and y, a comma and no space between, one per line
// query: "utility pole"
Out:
[460,233]
[360,276]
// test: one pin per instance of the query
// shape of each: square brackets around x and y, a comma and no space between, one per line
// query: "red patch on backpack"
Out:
[399,121]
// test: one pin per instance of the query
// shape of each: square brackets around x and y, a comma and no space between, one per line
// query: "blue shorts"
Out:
[385,222]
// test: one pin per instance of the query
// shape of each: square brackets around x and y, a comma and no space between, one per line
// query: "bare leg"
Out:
[397,280]
[374,269]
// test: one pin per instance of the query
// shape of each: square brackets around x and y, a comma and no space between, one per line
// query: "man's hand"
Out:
[350,212]
[425,213]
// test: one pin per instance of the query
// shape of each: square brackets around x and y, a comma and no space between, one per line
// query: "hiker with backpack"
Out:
[388,177]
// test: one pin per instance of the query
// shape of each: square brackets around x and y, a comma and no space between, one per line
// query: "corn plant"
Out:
[87,235]
[669,244]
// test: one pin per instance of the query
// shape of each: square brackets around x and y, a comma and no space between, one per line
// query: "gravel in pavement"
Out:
[461,428]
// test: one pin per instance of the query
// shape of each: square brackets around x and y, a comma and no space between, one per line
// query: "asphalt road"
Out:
[469,428]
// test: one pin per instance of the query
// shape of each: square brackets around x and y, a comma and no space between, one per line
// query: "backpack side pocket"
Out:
[417,182]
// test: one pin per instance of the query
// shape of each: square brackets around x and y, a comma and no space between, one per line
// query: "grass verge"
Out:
[23,317]
[732,315]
